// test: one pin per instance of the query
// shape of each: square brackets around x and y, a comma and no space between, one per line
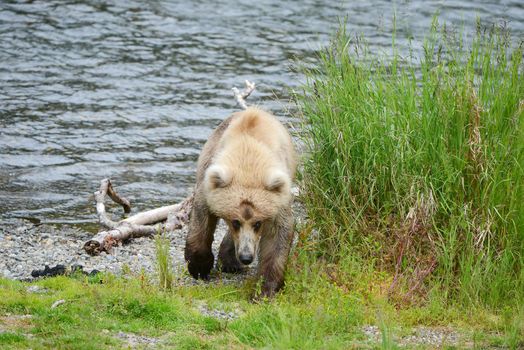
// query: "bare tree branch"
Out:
[241,96]
[147,223]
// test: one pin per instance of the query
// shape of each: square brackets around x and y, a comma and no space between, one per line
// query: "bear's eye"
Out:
[236,224]
[257,225]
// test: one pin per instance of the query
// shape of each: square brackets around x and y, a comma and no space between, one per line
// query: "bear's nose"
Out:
[246,259]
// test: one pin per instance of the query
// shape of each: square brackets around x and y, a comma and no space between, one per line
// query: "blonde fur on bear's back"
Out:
[254,125]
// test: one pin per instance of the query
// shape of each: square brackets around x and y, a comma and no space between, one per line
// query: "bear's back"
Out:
[264,128]
[245,137]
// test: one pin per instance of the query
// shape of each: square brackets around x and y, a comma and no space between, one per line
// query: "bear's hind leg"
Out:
[227,258]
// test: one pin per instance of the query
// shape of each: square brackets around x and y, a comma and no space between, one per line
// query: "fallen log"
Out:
[146,223]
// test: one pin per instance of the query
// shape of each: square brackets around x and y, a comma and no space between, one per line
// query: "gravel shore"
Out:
[25,247]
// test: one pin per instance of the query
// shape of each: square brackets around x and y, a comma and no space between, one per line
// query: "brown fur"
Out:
[247,212]
[244,176]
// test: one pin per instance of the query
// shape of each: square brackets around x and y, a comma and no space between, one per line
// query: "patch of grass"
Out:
[11,338]
[163,260]
[94,312]
[313,311]
[126,304]
[415,168]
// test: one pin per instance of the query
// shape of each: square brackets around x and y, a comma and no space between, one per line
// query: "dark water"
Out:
[131,89]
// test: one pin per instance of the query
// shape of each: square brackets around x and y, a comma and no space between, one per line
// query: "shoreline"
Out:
[25,247]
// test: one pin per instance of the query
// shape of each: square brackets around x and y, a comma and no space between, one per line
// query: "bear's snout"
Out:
[245,258]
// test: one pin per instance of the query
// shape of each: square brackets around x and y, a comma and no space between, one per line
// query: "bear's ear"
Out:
[277,181]
[217,176]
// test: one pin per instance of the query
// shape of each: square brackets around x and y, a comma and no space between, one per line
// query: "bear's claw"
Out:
[231,268]
[200,265]
[228,262]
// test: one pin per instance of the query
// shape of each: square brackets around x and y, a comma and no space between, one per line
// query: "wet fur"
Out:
[245,170]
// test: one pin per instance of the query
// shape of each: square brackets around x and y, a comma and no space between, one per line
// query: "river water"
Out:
[131,89]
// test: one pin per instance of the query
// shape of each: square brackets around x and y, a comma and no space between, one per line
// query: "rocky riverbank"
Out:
[25,247]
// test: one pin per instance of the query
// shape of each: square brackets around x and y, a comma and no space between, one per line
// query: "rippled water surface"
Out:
[131,89]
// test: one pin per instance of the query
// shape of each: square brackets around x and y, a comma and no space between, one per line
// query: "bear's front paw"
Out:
[229,264]
[200,264]
[236,268]
[268,291]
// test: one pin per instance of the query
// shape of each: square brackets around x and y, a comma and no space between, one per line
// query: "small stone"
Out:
[36,289]
[57,303]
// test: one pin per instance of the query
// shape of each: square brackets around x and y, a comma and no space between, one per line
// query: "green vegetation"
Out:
[417,168]
[95,310]
[312,312]
[413,185]
[164,265]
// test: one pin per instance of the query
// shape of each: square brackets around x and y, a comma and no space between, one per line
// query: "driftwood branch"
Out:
[240,97]
[147,223]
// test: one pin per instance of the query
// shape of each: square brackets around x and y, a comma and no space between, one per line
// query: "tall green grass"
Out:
[416,166]
[163,261]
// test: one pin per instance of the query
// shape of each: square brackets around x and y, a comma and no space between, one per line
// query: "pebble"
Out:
[57,303]
[36,289]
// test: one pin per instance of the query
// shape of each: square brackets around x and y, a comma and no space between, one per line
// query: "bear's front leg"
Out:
[227,258]
[274,252]
[202,225]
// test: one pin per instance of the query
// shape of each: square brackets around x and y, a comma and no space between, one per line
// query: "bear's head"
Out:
[250,207]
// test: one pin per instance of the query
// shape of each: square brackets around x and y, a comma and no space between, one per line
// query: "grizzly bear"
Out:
[244,177]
